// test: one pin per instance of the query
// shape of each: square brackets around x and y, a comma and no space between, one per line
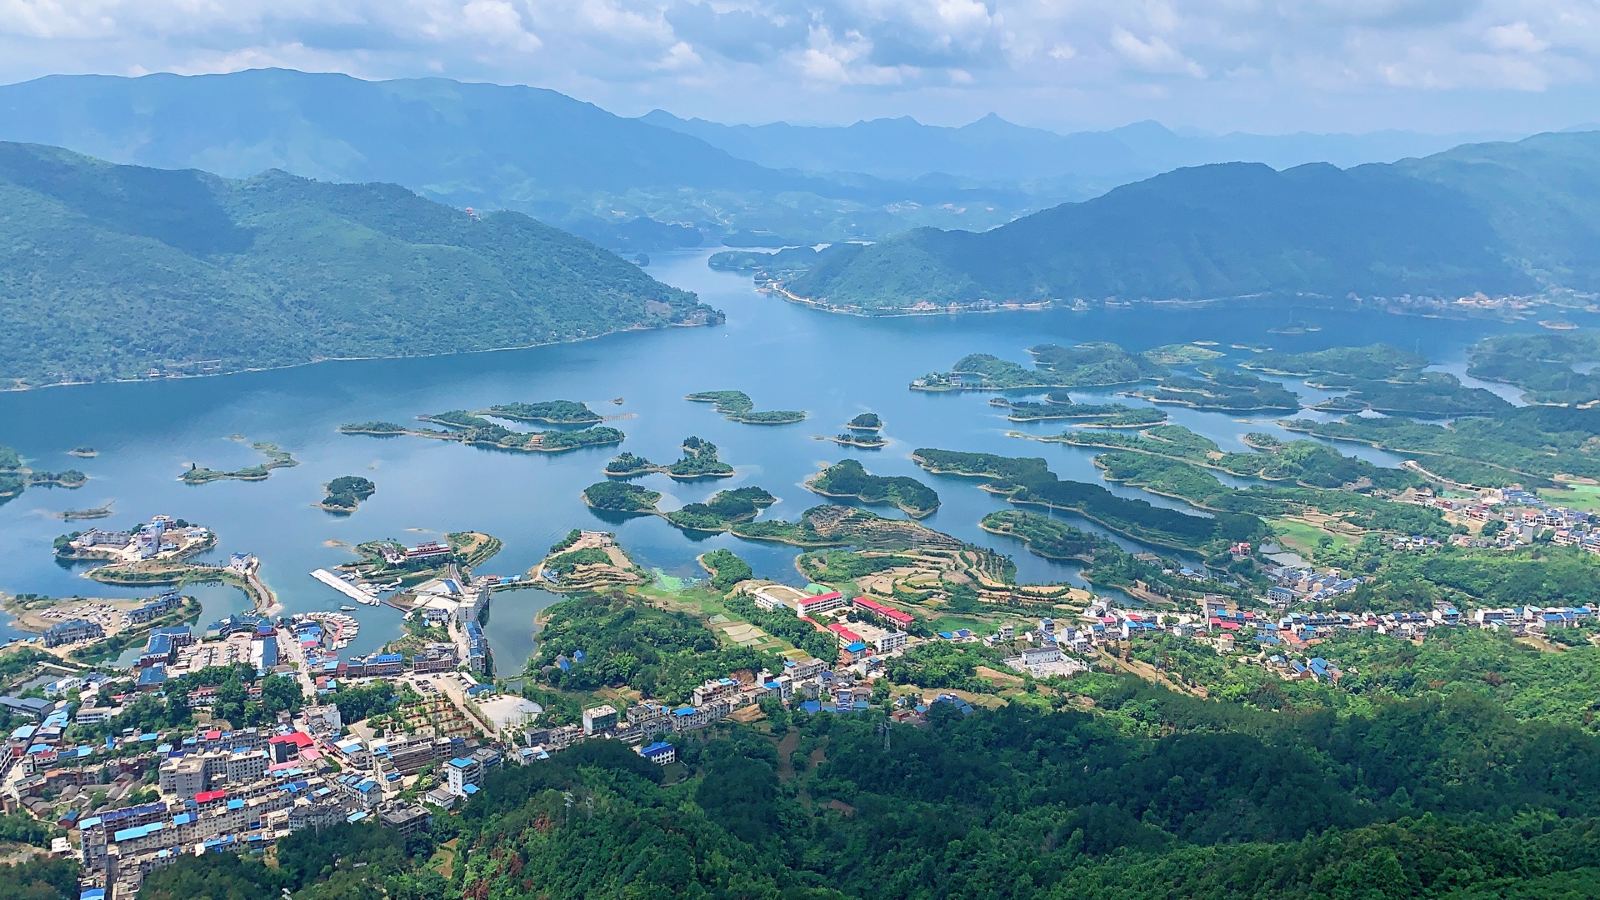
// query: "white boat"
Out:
[347,608]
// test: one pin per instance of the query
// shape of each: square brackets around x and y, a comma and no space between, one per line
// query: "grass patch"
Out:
[1303,537]
[1585,497]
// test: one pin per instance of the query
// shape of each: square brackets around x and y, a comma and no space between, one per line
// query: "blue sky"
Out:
[1257,65]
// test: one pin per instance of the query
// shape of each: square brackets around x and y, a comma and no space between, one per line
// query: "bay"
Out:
[783,355]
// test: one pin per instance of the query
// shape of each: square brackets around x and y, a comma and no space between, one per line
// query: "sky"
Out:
[1272,66]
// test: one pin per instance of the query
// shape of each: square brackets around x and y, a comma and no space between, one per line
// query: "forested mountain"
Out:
[1498,218]
[111,271]
[1152,795]
[992,149]
[617,180]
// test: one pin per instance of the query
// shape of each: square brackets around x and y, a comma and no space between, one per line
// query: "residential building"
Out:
[597,719]
[72,631]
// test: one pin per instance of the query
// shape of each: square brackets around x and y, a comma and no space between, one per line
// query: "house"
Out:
[661,753]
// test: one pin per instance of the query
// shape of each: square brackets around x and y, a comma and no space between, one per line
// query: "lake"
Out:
[784,356]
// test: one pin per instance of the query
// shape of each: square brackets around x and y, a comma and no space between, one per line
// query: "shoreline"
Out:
[247,370]
[1312,301]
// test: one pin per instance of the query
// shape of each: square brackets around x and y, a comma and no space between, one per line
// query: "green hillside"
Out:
[114,271]
[1497,218]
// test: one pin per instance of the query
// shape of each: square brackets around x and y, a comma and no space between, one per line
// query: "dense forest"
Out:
[1439,794]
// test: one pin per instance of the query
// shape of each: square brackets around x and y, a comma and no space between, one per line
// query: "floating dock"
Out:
[358,594]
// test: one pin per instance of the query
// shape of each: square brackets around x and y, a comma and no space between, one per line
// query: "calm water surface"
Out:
[784,356]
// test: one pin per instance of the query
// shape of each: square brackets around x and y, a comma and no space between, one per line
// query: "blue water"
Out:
[783,355]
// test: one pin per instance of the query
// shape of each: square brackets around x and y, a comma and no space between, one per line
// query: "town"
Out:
[278,732]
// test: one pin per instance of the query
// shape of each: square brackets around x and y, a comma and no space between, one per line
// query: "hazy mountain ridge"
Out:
[110,271]
[1499,218]
[618,180]
[993,149]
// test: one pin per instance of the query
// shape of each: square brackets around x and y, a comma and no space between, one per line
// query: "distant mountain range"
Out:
[115,271]
[1499,218]
[620,181]
[993,150]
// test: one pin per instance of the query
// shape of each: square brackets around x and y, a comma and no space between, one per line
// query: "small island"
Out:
[547,412]
[867,421]
[720,512]
[736,406]
[863,430]
[848,478]
[15,477]
[276,458]
[69,478]
[863,440]
[474,430]
[97,512]
[699,460]
[345,493]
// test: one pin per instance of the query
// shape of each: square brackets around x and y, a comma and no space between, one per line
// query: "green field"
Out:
[1302,537]
[1578,496]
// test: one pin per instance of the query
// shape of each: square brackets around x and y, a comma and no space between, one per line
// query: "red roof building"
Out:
[889,613]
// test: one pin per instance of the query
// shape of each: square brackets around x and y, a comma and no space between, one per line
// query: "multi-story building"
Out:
[597,719]
[72,631]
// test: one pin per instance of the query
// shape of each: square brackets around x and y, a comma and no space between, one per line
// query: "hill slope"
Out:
[620,181]
[1498,218]
[111,271]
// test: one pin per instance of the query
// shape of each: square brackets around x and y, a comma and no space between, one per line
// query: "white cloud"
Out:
[1154,55]
[1279,64]
[1515,36]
